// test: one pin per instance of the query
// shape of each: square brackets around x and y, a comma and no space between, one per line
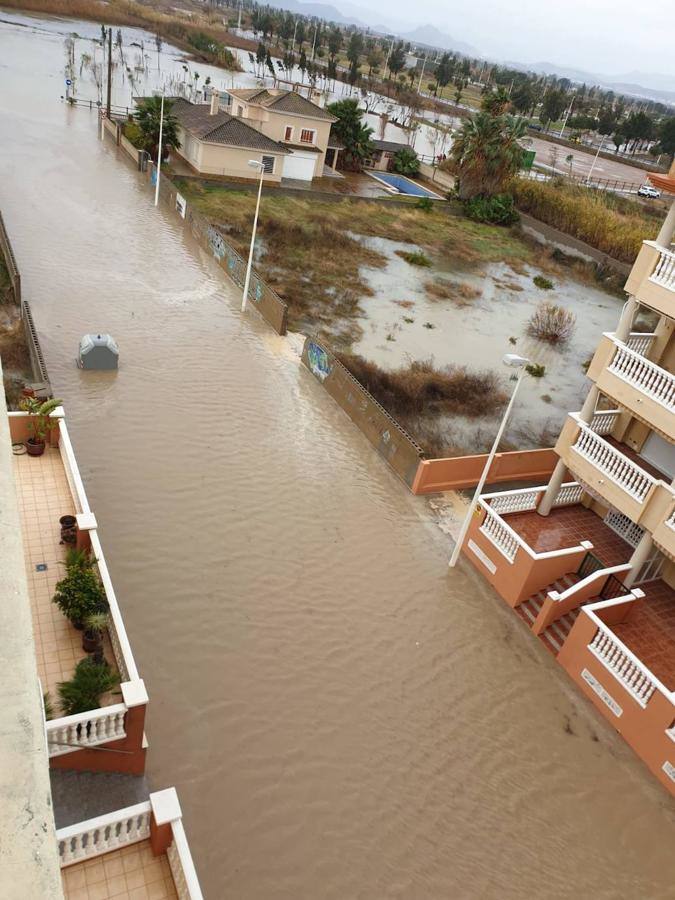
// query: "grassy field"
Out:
[312,253]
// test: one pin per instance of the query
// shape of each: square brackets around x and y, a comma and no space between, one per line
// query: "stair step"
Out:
[549,639]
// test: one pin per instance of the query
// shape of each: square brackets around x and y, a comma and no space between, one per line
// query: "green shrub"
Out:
[551,323]
[84,690]
[80,593]
[133,133]
[426,204]
[537,371]
[414,257]
[405,162]
[496,210]
[544,283]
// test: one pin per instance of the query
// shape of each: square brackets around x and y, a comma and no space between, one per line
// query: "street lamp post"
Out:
[254,165]
[159,151]
[515,362]
[588,177]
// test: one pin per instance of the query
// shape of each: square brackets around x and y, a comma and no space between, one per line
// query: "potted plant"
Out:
[84,690]
[80,594]
[39,422]
[95,625]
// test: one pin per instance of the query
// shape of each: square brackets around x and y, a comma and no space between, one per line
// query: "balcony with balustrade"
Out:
[613,471]
[521,553]
[49,487]
[652,279]
[141,851]
[624,372]
[621,652]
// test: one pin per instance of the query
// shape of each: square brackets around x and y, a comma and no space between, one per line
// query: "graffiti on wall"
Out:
[181,205]
[216,243]
[318,361]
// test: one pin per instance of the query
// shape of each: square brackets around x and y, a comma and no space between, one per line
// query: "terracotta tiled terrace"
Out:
[650,633]
[567,526]
[43,497]
[132,873]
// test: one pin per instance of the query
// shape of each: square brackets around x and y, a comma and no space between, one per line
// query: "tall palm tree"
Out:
[352,132]
[487,154]
[148,117]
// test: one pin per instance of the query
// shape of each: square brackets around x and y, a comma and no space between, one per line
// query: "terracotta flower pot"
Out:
[35,448]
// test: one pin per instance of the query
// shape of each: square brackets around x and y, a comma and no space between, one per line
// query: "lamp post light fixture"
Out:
[254,165]
[513,361]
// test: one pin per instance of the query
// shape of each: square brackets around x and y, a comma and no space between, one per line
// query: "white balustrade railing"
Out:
[569,494]
[181,865]
[498,532]
[635,678]
[87,729]
[515,501]
[646,376]
[126,665]
[71,469]
[604,420]
[622,470]
[640,341]
[103,834]
[624,527]
[670,521]
[664,272]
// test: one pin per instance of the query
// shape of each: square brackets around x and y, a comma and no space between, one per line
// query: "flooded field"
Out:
[341,718]
[486,316]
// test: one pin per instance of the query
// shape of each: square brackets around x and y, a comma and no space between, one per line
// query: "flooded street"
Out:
[340,717]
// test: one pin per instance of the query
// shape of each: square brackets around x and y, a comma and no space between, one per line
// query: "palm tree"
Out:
[487,154]
[354,135]
[148,117]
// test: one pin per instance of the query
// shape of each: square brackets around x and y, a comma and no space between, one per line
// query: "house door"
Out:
[660,453]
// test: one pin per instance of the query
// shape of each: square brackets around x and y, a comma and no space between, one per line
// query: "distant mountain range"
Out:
[647,86]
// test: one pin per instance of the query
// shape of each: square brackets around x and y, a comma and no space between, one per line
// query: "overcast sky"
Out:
[606,36]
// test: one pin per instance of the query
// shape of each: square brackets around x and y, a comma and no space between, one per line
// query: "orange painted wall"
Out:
[643,728]
[464,471]
[130,761]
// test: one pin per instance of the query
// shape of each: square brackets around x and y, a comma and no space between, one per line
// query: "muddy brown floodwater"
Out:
[341,718]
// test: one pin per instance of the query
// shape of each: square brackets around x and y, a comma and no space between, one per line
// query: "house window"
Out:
[268,165]
[307,136]
[288,136]
[240,110]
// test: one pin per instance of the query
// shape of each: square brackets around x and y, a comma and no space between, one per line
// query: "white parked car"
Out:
[648,191]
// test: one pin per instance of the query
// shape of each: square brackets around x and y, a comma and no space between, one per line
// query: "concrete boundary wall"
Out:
[547,234]
[394,444]
[460,472]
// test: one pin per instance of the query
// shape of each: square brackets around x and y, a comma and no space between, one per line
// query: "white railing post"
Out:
[646,376]
[664,271]
[103,834]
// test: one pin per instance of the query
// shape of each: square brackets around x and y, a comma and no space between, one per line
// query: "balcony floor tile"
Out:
[650,633]
[566,527]
[106,877]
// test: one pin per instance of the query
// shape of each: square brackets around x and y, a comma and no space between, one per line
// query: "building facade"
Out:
[588,560]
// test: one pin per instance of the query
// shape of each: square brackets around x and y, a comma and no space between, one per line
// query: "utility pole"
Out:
[109,69]
[239,20]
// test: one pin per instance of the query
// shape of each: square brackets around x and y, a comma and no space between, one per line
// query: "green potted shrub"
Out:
[80,594]
[95,625]
[83,692]
[39,422]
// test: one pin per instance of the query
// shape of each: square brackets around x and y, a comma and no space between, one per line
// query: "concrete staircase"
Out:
[555,635]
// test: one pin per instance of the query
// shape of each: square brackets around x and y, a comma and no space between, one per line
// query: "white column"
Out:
[554,485]
[588,409]
[640,556]
[623,329]
[667,231]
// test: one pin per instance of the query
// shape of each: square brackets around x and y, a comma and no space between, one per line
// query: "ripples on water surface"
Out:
[341,719]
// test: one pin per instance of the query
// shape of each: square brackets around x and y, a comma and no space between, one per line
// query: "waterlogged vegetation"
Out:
[426,340]
[16,369]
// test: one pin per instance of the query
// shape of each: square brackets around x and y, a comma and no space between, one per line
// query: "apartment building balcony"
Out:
[521,553]
[621,652]
[138,852]
[623,372]
[652,278]
[49,487]
[613,471]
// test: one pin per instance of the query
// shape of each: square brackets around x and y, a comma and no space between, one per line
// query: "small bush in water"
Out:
[551,323]
[544,283]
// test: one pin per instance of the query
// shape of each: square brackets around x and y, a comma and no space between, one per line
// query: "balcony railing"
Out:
[87,729]
[504,538]
[632,674]
[646,376]
[664,272]
[670,522]
[603,422]
[604,456]
[639,341]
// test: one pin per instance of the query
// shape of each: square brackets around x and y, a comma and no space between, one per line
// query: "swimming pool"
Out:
[399,184]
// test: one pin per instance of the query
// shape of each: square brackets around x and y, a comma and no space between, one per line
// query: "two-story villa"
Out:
[282,129]
[588,560]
